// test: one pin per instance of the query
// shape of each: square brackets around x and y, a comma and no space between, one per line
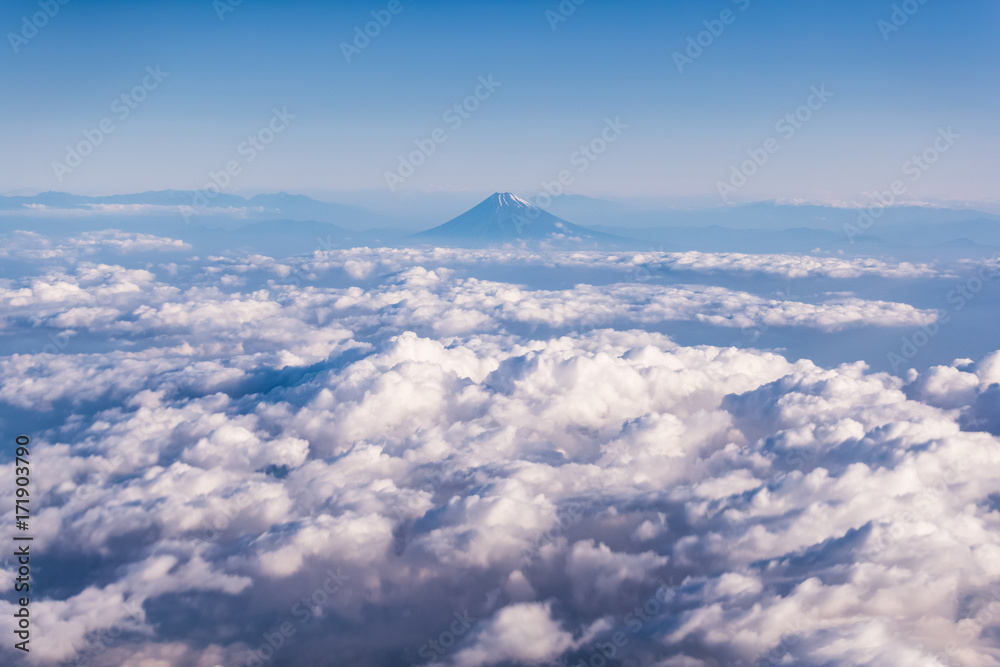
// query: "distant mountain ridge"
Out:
[503,218]
[755,215]
[587,213]
[281,205]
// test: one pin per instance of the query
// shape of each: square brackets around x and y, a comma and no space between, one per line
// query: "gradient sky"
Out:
[352,120]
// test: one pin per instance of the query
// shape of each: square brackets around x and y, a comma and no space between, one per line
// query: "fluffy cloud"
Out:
[523,634]
[793,266]
[397,461]
[32,245]
[364,262]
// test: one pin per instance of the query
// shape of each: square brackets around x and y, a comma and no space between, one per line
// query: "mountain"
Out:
[272,222]
[63,200]
[733,239]
[757,215]
[219,207]
[301,207]
[503,217]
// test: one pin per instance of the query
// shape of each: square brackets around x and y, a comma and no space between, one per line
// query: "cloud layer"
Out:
[385,462]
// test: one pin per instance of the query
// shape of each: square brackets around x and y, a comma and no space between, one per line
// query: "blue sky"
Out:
[685,130]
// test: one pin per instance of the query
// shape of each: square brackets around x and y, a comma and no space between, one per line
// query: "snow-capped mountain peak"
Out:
[504,217]
[509,199]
